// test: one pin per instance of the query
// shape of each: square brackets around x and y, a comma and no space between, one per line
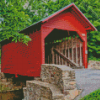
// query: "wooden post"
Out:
[63,47]
[76,51]
[72,48]
[59,55]
[80,54]
[52,55]
[68,49]
[56,55]
[48,59]
[62,52]
[65,51]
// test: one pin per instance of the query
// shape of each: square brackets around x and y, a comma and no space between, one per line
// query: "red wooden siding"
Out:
[21,59]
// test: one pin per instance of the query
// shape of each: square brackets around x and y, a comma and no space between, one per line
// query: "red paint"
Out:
[19,59]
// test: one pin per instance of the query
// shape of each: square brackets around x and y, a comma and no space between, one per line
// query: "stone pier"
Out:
[56,82]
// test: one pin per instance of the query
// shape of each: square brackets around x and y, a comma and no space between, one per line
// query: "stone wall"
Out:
[57,82]
[60,75]
[93,64]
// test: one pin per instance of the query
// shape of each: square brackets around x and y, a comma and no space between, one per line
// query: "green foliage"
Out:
[15,19]
[94,45]
[3,88]
[92,96]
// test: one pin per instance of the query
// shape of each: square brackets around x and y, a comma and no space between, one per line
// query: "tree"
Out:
[91,9]
[13,19]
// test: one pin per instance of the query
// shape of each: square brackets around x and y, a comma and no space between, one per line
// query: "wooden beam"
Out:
[59,55]
[65,58]
[62,52]
[76,51]
[48,59]
[72,48]
[68,49]
[65,46]
[52,55]
[56,55]
[80,54]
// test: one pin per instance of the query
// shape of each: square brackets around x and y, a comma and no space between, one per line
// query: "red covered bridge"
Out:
[58,39]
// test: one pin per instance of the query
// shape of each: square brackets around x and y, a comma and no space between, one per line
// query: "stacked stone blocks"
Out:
[56,82]
[60,75]
[93,64]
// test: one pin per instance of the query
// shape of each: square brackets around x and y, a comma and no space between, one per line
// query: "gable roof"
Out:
[74,10]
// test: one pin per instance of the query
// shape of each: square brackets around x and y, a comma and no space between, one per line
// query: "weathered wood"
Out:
[59,55]
[61,52]
[65,47]
[56,55]
[52,55]
[76,51]
[65,58]
[80,55]
[65,50]
[48,59]
[72,48]
[68,49]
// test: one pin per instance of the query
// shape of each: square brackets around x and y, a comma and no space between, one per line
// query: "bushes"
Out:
[92,96]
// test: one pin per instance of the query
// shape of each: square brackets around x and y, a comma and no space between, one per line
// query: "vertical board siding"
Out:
[21,59]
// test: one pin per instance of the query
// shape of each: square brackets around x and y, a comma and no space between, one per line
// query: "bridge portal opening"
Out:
[64,48]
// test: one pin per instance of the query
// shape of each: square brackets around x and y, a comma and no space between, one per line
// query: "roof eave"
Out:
[58,12]
[23,31]
[91,25]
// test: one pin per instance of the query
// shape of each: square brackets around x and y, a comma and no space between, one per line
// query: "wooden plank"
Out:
[68,49]
[80,54]
[62,52]
[76,52]
[56,55]
[59,55]
[65,46]
[48,59]
[64,57]
[72,48]
[52,55]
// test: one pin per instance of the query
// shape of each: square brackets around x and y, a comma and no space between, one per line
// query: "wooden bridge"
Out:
[67,52]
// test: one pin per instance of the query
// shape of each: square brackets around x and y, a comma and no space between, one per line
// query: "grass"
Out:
[92,96]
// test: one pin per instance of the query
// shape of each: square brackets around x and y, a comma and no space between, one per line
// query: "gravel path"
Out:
[88,80]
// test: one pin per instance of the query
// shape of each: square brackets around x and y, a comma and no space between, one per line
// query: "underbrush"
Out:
[92,96]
